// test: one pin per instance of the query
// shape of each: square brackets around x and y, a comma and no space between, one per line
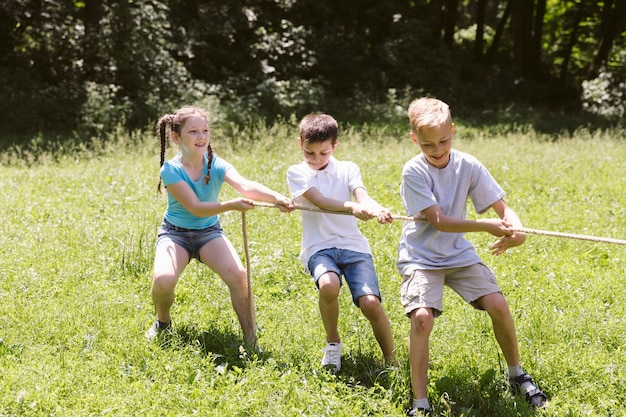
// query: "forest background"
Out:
[538,94]
[75,70]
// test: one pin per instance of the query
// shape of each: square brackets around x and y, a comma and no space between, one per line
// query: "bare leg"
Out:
[422,322]
[503,327]
[221,257]
[170,261]
[373,311]
[329,286]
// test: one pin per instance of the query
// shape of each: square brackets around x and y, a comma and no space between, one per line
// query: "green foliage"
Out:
[80,69]
[606,94]
[76,248]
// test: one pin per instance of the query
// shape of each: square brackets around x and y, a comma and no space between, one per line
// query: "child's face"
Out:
[317,154]
[435,143]
[194,136]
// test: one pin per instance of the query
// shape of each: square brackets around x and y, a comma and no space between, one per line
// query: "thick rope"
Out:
[421,219]
[251,320]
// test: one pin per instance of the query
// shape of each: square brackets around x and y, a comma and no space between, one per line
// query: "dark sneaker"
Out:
[524,384]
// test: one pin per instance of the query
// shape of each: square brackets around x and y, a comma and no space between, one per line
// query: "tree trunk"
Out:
[93,14]
[573,37]
[613,22]
[449,21]
[537,36]
[522,19]
[493,48]
[480,29]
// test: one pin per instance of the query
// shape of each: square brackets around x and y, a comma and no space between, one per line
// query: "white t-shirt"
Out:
[323,230]
[422,246]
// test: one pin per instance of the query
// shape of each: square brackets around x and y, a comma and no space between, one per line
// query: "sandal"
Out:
[533,393]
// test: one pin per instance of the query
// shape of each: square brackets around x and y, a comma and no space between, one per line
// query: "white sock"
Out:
[515,371]
[422,403]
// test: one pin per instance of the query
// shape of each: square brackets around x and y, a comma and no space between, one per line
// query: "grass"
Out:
[76,248]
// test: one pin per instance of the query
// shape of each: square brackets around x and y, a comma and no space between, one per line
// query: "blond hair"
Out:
[428,112]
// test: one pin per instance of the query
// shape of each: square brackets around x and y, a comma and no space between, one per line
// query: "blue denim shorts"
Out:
[191,240]
[357,269]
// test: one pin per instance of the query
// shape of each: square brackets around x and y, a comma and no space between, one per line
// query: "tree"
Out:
[613,22]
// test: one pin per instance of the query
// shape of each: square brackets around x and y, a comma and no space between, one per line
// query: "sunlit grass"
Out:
[76,248]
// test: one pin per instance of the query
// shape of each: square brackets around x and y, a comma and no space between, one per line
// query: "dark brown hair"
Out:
[318,128]
[175,122]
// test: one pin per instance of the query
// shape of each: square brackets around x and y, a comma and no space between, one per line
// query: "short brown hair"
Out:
[318,128]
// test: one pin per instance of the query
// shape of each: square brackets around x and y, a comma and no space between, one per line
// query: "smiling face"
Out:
[194,136]
[317,154]
[435,143]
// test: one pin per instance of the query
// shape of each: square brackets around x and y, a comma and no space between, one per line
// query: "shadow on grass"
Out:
[486,395]
[366,370]
[223,346]
[457,394]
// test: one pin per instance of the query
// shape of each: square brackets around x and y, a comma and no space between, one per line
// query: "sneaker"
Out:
[418,412]
[332,356]
[524,384]
[154,331]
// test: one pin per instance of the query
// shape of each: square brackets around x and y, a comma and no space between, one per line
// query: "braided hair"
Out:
[175,122]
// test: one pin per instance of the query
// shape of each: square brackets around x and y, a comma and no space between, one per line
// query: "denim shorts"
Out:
[192,240]
[357,269]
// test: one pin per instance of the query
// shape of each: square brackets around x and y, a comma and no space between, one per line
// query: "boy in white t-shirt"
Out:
[436,185]
[332,244]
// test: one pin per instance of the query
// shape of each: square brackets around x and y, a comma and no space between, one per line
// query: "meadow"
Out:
[76,249]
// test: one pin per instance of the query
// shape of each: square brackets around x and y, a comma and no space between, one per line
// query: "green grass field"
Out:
[76,245]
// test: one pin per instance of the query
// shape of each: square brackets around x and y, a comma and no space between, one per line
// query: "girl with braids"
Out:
[191,228]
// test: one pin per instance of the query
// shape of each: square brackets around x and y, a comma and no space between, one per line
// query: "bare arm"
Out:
[183,193]
[251,190]
[508,241]
[443,223]
[256,191]
[357,209]
[373,209]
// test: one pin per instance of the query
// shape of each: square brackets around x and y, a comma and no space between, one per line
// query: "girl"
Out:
[191,227]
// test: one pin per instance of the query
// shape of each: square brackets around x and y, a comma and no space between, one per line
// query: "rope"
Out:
[347,213]
[251,322]
[570,235]
[421,219]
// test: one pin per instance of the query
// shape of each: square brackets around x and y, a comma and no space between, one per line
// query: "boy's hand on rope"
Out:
[496,227]
[507,242]
[362,211]
[384,216]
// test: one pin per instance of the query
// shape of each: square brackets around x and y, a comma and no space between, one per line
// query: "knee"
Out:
[329,292]
[163,283]
[237,280]
[329,288]
[370,306]
[495,305]
[422,320]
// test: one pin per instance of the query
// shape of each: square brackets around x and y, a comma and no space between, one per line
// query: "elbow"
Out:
[247,189]
[196,210]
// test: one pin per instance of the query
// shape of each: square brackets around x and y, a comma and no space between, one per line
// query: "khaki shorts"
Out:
[424,288]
